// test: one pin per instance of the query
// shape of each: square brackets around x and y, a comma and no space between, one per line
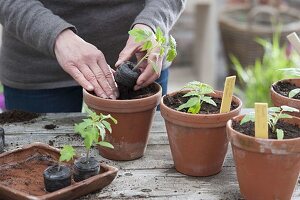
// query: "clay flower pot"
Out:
[198,141]
[84,169]
[130,135]
[280,100]
[266,168]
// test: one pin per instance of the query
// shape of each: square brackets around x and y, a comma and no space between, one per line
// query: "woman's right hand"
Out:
[86,64]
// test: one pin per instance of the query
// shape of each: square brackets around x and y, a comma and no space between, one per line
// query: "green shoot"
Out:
[146,36]
[274,114]
[197,94]
[94,127]
[66,154]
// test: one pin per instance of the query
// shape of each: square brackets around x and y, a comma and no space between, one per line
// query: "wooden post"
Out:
[295,41]
[227,94]
[261,120]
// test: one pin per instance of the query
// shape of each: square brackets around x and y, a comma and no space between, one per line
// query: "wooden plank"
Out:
[152,176]
[261,120]
[227,94]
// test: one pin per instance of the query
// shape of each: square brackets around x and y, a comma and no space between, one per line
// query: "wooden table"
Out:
[152,176]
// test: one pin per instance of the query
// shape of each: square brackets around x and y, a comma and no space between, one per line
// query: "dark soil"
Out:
[17,116]
[127,94]
[50,126]
[248,128]
[284,89]
[175,101]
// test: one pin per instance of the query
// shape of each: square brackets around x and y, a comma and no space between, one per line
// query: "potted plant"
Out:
[196,128]
[59,176]
[266,168]
[93,131]
[287,91]
[133,109]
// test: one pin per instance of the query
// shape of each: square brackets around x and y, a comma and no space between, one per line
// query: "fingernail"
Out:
[118,63]
[137,87]
[90,88]
[112,97]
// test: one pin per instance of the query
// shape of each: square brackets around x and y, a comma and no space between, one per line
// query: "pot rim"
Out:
[124,101]
[238,100]
[281,96]
[237,118]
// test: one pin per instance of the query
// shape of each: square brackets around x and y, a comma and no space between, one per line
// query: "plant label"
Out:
[261,120]
[295,41]
[227,94]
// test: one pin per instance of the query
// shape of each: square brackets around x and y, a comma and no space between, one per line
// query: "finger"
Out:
[90,77]
[79,78]
[129,50]
[109,79]
[149,75]
[150,80]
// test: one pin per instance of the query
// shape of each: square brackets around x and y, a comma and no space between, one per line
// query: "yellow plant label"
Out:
[227,94]
[261,120]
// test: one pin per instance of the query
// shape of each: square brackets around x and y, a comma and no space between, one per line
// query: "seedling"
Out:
[274,114]
[197,94]
[92,128]
[161,43]
[66,154]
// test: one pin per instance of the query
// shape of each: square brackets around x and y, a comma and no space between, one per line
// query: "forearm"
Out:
[160,13]
[32,23]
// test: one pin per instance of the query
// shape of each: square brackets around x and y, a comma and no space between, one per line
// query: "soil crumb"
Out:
[50,126]
[17,116]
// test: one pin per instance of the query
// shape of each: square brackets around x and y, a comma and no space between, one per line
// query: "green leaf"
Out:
[67,153]
[88,141]
[280,134]
[191,93]
[191,102]
[154,66]
[274,109]
[284,116]
[105,144]
[161,51]
[107,125]
[140,35]
[160,36]
[294,92]
[171,55]
[247,118]
[81,128]
[147,45]
[89,111]
[289,109]
[101,129]
[208,100]
[172,42]
[195,109]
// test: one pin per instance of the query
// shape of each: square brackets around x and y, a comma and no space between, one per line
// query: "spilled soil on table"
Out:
[176,100]
[17,116]
[248,128]
[27,175]
[284,89]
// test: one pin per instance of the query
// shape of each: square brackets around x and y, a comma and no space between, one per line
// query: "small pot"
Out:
[126,76]
[2,140]
[280,100]
[57,177]
[266,168]
[84,169]
[130,136]
[198,141]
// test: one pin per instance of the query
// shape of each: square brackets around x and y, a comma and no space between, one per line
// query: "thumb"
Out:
[129,50]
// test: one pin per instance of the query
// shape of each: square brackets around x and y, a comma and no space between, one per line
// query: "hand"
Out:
[86,64]
[148,74]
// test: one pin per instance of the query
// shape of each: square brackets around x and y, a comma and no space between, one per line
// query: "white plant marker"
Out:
[261,120]
[227,94]
[295,41]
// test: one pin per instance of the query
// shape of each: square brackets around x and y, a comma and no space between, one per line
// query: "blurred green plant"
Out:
[255,80]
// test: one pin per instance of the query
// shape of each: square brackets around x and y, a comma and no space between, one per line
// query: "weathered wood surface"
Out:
[152,176]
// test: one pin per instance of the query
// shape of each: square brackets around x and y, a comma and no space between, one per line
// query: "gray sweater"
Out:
[27,59]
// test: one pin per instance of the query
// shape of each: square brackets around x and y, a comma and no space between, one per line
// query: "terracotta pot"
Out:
[279,100]
[198,141]
[266,168]
[130,136]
